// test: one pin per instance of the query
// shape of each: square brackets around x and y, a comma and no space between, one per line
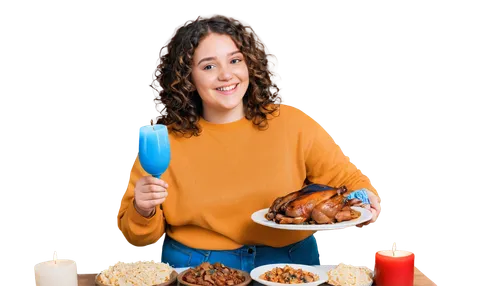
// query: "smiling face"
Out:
[220,76]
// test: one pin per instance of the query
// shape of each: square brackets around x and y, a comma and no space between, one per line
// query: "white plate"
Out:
[256,272]
[259,217]
[181,269]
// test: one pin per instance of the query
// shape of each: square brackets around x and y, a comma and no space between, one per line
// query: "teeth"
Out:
[226,88]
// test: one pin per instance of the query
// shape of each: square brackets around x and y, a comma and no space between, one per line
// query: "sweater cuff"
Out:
[137,218]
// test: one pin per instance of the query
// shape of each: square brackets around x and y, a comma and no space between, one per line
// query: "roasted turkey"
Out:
[314,204]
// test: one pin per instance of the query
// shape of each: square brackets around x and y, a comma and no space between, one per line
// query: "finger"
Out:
[155,196]
[363,224]
[365,206]
[374,214]
[152,203]
[374,200]
[154,189]
[375,204]
[157,202]
[355,202]
[150,180]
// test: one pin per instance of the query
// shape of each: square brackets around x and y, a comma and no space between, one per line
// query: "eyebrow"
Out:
[213,58]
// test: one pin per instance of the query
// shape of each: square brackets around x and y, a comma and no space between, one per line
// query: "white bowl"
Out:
[256,272]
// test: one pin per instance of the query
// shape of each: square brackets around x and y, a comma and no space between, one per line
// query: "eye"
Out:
[235,61]
[209,67]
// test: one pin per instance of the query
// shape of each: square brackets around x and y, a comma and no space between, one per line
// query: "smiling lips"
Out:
[226,90]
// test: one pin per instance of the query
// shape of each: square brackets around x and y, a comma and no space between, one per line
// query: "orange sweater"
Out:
[218,179]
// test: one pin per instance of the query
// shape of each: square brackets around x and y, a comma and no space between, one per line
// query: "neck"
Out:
[223,116]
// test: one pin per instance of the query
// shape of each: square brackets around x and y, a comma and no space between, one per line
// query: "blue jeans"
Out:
[245,258]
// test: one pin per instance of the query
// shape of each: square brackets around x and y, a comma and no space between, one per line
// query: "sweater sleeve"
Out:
[138,230]
[327,164]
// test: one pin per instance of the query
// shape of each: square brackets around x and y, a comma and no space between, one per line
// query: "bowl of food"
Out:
[137,274]
[280,274]
[348,275]
[216,274]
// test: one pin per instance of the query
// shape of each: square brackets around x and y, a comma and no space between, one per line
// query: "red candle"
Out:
[394,268]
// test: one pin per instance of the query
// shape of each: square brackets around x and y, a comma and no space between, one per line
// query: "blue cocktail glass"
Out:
[154,149]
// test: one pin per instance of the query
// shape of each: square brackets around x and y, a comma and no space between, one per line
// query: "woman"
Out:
[234,149]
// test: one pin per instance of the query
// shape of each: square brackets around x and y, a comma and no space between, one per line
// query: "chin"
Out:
[232,105]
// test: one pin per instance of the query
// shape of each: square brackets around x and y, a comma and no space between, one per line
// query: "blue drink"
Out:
[154,149]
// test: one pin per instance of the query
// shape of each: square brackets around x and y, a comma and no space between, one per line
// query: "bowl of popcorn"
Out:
[142,273]
[348,275]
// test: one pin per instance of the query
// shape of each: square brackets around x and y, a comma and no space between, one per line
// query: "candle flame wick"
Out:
[394,246]
[54,255]
[152,124]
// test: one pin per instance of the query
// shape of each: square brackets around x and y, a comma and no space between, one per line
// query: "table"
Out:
[419,279]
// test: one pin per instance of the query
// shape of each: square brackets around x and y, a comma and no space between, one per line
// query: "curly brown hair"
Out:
[182,103]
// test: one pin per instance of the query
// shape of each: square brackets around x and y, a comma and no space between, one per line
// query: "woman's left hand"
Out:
[374,207]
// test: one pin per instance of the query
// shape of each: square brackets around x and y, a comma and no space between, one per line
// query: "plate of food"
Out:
[348,275]
[315,207]
[213,274]
[281,274]
[138,273]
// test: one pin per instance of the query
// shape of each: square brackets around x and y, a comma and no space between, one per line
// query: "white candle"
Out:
[58,272]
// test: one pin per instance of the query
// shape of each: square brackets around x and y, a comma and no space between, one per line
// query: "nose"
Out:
[225,73]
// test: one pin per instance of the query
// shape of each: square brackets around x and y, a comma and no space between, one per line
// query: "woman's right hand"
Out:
[148,193]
